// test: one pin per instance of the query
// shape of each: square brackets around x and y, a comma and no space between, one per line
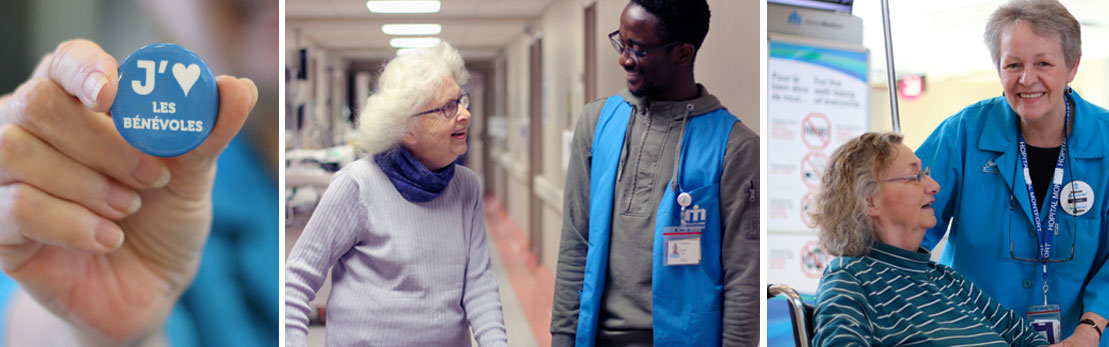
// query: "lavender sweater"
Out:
[405,274]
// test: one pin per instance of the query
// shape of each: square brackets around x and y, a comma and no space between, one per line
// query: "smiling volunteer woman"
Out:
[1038,147]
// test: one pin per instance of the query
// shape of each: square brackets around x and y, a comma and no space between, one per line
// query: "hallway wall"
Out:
[943,97]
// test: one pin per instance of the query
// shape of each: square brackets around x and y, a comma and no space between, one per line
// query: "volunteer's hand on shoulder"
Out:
[104,236]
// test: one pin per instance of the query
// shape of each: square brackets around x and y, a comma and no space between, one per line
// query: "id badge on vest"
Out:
[1046,321]
[683,242]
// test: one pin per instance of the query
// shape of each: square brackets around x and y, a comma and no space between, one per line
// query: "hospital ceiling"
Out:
[478,28]
[944,37]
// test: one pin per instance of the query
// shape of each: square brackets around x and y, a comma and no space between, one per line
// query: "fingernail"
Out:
[93,84]
[123,199]
[109,235]
[151,172]
[253,91]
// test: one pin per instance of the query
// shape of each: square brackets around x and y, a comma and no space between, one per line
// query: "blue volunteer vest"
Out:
[686,300]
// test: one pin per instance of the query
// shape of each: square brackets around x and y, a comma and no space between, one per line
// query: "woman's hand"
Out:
[1085,335]
[104,236]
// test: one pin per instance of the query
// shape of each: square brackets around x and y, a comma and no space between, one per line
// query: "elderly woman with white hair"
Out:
[402,229]
[873,207]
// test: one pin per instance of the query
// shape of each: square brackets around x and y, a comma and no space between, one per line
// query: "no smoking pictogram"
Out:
[806,206]
[816,131]
[813,260]
[812,168]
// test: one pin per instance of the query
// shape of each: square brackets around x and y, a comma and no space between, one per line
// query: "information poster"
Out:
[818,97]
[796,260]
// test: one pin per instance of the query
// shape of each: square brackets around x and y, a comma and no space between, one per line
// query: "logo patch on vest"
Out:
[694,217]
[990,167]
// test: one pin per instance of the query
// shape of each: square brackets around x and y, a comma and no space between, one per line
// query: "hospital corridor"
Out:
[533,65]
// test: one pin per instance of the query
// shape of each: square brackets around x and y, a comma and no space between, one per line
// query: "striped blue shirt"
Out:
[894,297]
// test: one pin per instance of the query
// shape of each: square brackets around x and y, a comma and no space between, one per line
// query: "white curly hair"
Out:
[407,83]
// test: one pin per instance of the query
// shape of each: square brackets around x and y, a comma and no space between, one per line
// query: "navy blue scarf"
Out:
[414,181]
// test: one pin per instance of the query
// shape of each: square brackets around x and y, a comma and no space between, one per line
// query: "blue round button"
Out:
[167,100]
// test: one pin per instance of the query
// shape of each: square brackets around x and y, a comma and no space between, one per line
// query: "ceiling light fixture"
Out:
[403,6]
[414,42]
[411,29]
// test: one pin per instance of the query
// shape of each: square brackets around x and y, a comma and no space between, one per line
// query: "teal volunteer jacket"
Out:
[974,157]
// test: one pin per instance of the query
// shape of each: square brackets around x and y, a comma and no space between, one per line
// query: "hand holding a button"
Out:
[101,234]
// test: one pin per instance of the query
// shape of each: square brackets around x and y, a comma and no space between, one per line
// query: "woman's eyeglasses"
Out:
[450,110]
[915,178]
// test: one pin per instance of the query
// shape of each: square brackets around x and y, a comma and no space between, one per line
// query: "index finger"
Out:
[84,70]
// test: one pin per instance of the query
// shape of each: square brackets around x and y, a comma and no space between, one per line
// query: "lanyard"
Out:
[1056,182]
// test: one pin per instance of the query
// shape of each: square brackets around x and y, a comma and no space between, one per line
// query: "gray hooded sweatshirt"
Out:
[647,162]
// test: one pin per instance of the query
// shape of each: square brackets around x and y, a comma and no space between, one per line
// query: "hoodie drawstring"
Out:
[675,185]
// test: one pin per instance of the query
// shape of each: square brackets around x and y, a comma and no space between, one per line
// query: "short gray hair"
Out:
[850,178]
[1045,17]
[407,83]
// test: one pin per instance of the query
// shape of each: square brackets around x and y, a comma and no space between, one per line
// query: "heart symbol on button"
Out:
[186,76]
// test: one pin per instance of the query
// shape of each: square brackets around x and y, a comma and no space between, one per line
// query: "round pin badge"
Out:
[167,100]
[1076,198]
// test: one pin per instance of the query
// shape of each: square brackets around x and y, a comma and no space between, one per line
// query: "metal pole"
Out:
[891,74]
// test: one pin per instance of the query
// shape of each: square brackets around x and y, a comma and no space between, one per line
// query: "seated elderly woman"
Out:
[403,228]
[872,211]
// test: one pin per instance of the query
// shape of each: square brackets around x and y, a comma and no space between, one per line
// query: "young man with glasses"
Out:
[660,228]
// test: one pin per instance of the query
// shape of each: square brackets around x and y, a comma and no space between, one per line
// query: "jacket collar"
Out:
[913,262]
[703,103]
[1000,131]
[999,134]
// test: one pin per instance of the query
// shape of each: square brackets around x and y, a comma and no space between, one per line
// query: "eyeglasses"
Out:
[916,178]
[450,110]
[634,54]
[1032,239]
